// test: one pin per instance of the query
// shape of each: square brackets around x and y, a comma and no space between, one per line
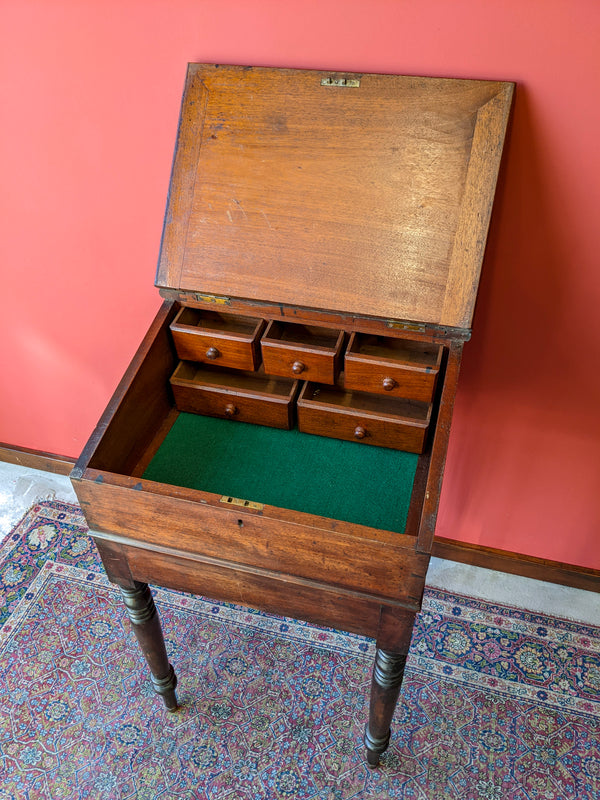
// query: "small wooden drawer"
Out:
[229,340]
[302,351]
[362,417]
[243,396]
[395,367]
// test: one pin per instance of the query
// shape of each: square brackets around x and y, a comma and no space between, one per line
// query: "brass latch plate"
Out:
[351,83]
[237,501]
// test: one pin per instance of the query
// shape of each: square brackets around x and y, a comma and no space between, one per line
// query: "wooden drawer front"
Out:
[211,337]
[361,417]
[395,367]
[277,594]
[241,396]
[302,351]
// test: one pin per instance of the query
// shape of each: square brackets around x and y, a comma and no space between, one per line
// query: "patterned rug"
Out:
[497,704]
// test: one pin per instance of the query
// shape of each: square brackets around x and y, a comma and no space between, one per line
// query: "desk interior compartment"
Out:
[230,340]
[309,352]
[329,506]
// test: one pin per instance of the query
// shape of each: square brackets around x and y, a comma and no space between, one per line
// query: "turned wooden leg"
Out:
[385,688]
[146,626]
[393,643]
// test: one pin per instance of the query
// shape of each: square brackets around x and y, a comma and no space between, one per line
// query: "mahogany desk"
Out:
[279,439]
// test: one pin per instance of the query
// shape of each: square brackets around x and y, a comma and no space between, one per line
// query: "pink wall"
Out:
[90,98]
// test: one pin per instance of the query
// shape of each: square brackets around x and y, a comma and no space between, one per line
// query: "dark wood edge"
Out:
[181,185]
[540,569]
[36,459]
[485,157]
[439,448]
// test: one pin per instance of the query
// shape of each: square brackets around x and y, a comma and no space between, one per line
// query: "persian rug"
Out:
[497,703]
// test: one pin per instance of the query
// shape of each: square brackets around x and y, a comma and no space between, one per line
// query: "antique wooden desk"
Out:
[279,438]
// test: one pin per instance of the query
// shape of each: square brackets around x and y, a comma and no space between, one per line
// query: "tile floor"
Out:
[21,487]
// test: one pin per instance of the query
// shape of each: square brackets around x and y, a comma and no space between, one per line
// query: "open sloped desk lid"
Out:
[365,194]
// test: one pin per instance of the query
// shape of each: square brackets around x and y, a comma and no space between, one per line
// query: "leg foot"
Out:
[385,688]
[146,626]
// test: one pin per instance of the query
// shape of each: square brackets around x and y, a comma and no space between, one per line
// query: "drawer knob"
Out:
[230,410]
[212,353]
[298,367]
[359,432]
[389,384]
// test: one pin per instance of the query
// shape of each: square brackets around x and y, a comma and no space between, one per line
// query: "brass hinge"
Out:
[212,298]
[351,83]
[236,501]
[407,326]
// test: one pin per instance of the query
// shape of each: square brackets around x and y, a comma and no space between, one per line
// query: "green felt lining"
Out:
[332,478]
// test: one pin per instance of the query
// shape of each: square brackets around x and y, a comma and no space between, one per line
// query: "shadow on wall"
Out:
[522,469]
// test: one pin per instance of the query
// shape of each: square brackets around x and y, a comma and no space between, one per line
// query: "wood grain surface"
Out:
[372,200]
